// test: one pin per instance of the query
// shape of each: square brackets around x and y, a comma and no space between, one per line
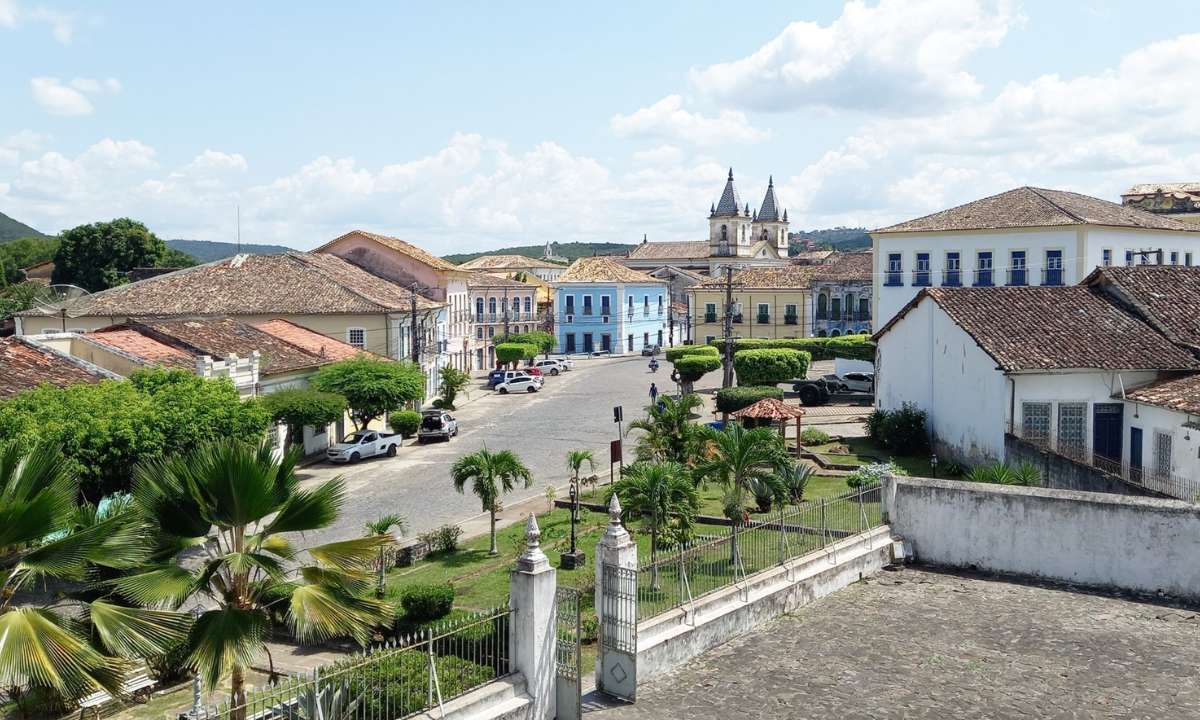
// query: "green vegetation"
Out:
[382,527]
[422,603]
[300,407]
[22,253]
[513,353]
[570,251]
[206,251]
[11,229]
[97,256]
[405,422]
[838,238]
[490,474]
[769,366]
[668,432]
[453,382]
[544,341]
[664,498]
[873,474]
[732,399]
[372,386]
[693,367]
[813,436]
[901,431]
[854,347]
[1025,473]
[745,463]
[105,429]
[673,354]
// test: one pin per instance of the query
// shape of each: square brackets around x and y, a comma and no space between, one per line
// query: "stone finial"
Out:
[533,534]
[533,559]
[730,173]
[770,181]
[614,510]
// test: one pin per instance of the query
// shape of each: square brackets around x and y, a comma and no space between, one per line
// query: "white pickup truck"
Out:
[363,444]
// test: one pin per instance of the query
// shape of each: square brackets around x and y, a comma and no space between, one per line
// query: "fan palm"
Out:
[490,474]
[663,496]
[44,536]
[575,461]
[238,503]
[745,463]
[383,527]
[669,433]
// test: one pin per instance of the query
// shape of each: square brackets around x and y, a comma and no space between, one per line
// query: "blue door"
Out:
[1135,454]
[1107,419]
[587,343]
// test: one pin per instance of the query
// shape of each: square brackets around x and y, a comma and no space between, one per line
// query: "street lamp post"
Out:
[575,558]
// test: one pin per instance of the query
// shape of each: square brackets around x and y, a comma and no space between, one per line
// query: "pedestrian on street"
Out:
[653,393]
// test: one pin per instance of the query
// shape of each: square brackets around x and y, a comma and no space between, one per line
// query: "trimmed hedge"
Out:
[516,352]
[693,367]
[427,602]
[735,398]
[854,347]
[769,366]
[405,422]
[673,354]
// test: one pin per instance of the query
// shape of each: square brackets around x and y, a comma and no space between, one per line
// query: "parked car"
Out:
[535,371]
[564,363]
[495,377]
[363,444]
[863,382]
[437,424]
[651,351]
[518,381]
[545,367]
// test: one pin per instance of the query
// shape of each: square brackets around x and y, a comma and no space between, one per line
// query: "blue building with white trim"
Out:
[601,305]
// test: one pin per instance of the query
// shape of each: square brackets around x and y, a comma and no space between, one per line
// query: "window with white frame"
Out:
[1035,421]
[1162,454]
[1072,429]
[357,337]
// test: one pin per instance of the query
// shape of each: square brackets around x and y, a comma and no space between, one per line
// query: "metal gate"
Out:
[618,632]
[567,660]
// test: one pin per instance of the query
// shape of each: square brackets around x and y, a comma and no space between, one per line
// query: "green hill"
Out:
[11,229]
[839,238]
[207,250]
[570,251]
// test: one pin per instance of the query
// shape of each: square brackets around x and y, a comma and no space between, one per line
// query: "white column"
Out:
[531,635]
[615,548]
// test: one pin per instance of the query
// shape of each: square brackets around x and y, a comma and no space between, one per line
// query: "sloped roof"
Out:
[24,366]
[847,267]
[1048,328]
[1181,394]
[401,246]
[1036,207]
[1166,296]
[1179,189]
[813,257]
[311,342]
[603,269]
[487,279]
[291,283]
[785,277]
[769,211]
[507,262]
[685,250]
[142,347]
[764,245]
[730,203]
[770,409]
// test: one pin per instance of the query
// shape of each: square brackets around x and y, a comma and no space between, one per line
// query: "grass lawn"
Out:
[863,451]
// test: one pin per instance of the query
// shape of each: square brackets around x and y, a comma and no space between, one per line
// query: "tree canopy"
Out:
[513,352]
[298,407]
[544,341]
[372,386]
[769,366]
[97,256]
[22,253]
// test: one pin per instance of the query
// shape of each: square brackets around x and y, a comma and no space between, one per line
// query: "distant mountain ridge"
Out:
[209,250]
[570,251]
[838,238]
[11,229]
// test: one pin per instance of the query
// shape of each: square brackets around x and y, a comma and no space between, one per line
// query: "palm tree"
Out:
[669,431]
[744,461]
[45,536]
[663,496]
[575,461]
[382,527]
[239,503]
[485,469]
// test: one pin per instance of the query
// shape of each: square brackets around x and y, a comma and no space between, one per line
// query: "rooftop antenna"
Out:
[239,229]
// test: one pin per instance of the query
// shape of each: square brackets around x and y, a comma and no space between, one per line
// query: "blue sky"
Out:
[473,126]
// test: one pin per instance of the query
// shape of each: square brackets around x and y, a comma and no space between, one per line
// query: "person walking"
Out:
[653,394]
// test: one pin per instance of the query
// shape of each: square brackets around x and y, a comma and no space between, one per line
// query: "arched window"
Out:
[528,304]
[492,305]
[822,306]
[724,233]
[764,235]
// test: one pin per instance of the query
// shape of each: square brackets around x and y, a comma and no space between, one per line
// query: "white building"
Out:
[1026,236]
[1103,372]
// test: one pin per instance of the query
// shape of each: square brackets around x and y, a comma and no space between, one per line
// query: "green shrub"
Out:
[516,352]
[901,431]
[873,474]
[427,602]
[693,367]
[1025,474]
[769,366]
[733,399]
[398,686]
[443,539]
[854,347]
[405,422]
[813,436]
[544,341]
[673,354]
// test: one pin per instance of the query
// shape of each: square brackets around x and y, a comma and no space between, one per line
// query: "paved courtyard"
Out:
[920,644]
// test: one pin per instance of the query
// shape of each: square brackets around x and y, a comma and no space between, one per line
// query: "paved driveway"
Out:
[573,410]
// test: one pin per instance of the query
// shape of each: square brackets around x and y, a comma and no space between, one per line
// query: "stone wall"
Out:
[1096,539]
[1060,473]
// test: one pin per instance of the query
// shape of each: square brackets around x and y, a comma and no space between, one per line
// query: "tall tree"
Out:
[371,385]
[383,527]
[45,536]
[576,459]
[663,497]
[668,430]
[300,407]
[490,474]
[97,256]
[249,502]
[743,462]
[21,253]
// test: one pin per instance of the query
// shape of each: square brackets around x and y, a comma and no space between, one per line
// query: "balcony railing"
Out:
[478,317]
[893,277]
[587,310]
[789,319]
[710,317]
[763,318]
[920,278]
[1018,276]
[1052,276]
[983,278]
[952,278]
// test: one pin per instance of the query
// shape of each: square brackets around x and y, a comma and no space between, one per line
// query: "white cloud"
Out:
[8,13]
[62,25]
[899,55]
[71,99]
[667,118]
[93,86]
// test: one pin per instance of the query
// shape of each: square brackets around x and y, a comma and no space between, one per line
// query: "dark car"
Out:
[651,350]
[495,377]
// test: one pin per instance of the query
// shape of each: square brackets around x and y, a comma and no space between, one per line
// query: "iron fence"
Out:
[406,676]
[670,580]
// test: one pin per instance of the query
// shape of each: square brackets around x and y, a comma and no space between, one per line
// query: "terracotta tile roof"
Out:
[847,267]
[401,246]
[483,279]
[1182,394]
[770,409]
[1036,207]
[506,262]
[813,257]
[292,283]
[142,347]
[313,343]
[785,277]
[1166,296]
[1047,328]
[603,269]
[24,366]
[686,249]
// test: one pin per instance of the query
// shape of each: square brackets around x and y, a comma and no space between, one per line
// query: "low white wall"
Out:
[1111,541]
[666,641]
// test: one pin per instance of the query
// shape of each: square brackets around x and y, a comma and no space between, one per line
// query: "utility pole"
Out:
[416,345]
[506,312]
[727,380]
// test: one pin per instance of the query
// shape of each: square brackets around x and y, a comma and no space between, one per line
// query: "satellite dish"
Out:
[55,299]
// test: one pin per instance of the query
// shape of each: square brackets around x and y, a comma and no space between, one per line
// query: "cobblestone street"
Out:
[921,644]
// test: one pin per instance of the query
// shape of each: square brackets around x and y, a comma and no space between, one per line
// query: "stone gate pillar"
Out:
[616,607]
[531,626]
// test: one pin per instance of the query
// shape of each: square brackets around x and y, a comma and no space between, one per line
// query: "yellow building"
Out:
[775,302]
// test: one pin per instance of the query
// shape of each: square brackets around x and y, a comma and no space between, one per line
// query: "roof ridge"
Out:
[1060,208]
[308,262]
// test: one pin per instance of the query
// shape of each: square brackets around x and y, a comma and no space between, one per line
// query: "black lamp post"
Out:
[575,558]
